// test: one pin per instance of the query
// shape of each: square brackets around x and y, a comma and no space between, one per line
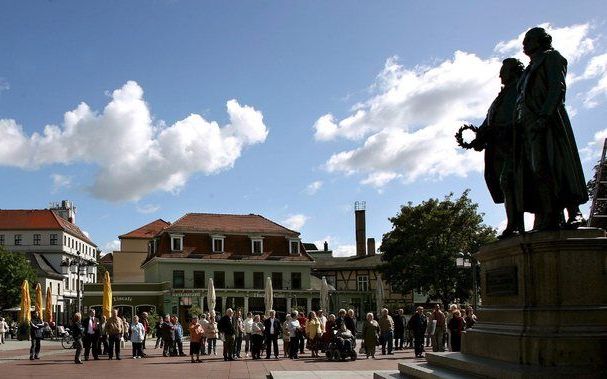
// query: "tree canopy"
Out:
[14,268]
[421,249]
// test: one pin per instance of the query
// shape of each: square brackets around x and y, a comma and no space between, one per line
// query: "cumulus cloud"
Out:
[344,251]
[313,187]
[111,246]
[295,222]
[135,156]
[405,129]
[147,208]
[60,182]
[596,69]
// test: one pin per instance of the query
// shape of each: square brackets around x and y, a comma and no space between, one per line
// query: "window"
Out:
[277,280]
[294,246]
[67,284]
[1,239]
[18,239]
[178,279]
[362,283]
[64,240]
[239,279]
[258,280]
[218,244]
[198,279]
[257,246]
[219,279]
[296,280]
[36,239]
[53,239]
[58,289]
[176,242]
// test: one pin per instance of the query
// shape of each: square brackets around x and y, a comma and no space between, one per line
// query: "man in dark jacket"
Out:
[226,327]
[418,324]
[399,330]
[77,332]
[272,331]
[91,335]
[167,329]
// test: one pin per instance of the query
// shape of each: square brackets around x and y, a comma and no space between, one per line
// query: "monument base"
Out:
[544,311]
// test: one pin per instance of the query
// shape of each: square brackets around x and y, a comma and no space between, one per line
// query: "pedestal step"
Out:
[388,375]
[427,371]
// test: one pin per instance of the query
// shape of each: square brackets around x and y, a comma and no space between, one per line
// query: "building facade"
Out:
[49,238]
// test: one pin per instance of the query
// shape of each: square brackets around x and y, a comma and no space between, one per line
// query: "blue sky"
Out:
[293,110]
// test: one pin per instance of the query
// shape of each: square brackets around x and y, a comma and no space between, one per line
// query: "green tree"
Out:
[14,268]
[421,249]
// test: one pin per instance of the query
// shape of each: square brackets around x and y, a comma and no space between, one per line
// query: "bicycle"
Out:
[67,340]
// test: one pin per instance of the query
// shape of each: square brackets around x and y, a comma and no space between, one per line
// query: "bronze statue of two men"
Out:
[531,158]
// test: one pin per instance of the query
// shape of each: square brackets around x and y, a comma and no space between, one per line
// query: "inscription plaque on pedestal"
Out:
[502,281]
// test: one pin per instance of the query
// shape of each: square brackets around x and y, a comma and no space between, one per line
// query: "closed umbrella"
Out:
[211,298]
[38,304]
[48,310]
[107,296]
[380,294]
[269,295]
[25,302]
[324,295]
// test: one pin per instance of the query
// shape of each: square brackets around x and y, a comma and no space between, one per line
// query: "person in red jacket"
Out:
[301,317]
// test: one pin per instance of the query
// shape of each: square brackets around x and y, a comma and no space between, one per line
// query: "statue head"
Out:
[536,39]
[511,70]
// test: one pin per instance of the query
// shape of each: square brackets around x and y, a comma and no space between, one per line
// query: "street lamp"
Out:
[463,260]
[78,266]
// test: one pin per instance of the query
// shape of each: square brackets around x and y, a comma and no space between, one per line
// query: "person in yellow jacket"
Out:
[314,331]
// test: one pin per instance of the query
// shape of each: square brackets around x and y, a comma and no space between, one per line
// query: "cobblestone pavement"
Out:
[55,362]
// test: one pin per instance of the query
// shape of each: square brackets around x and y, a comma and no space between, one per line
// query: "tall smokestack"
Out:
[370,246]
[361,229]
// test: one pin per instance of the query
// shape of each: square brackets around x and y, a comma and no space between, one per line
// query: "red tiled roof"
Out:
[147,231]
[229,224]
[107,259]
[38,219]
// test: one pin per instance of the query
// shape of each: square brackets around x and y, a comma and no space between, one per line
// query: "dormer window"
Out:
[294,246]
[176,242]
[257,245]
[218,243]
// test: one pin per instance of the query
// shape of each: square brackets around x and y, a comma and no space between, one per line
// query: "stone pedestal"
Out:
[544,311]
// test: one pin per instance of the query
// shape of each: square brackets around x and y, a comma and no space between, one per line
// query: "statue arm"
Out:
[556,70]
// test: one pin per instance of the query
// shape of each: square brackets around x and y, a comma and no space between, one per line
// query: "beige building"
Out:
[134,248]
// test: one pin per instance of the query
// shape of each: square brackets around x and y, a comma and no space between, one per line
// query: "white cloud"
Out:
[295,222]
[321,242]
[135,156]
[111,246]
[406,127]
[596,68]
[86,234]
[60,182]
[313,187]
[593,149]
[529,219]
[344,251]
[147,208]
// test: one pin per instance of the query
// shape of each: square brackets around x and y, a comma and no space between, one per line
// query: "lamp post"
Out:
[78,266]
[467,261]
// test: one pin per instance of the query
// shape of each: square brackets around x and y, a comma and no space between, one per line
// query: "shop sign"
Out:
[118,299]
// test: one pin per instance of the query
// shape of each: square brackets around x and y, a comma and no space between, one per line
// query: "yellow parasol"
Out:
[48,310]
[25,302]
[38,304]
[107,296]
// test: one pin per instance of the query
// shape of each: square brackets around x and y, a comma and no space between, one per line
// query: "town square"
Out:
[287,190]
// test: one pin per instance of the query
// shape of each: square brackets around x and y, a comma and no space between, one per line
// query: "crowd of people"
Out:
[97,336]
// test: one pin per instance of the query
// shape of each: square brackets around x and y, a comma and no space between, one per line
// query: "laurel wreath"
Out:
[459,136]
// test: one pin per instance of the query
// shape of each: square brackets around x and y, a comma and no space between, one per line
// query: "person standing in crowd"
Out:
[36,334]
[92,333]
[370,335]
[77,332]
[257,335]
[313,333]
[329,331]
[115,330]
[272,331]
[203,340]
[137,333]
[294,331]
[400,323]
[248,329]
[3,329]
[127,332]
[238,337]
[301,317]
[211,333]
[386,327]
[350,320]
[430,328]
[196,333]
[470,319]
[159,333]
[102,346]
[438,342]
[226,327]
[178,337]
[285,336]
[146,327]
[448,317]
[456,326]
[418,324]
[323,319]
[167,330]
